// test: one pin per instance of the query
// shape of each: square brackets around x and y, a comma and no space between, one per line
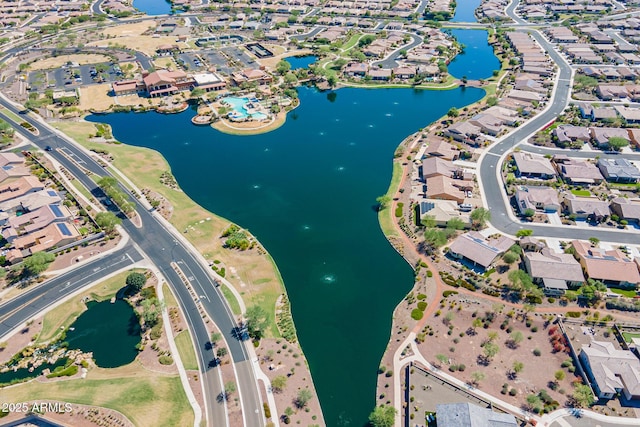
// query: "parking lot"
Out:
[216,59]
[191,61]
[240,56]
[71,77]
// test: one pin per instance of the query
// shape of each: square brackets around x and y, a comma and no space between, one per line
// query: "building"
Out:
[30,201]
[34,221]
[209,81]
[20,187]
[127,87]
[165,82]
[470,415]
[443,187]
[464,131]
[619,170]
[611,267]
[611,371]
[250,75]
[442,149]
[434,166]
[478,250]
[538,198]
[626,209]
[555,272]
[442,211]
[578,172]
[53,235]
[533,166]
[590,208]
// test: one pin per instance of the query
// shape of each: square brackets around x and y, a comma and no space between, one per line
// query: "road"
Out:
[162,248]
[96,7]
[390,60]
[30,303]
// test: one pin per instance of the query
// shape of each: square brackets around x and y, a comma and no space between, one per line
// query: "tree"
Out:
[559,375]
[515,339]
[442,358]
[197,93]
[383,416]
[453,112]
[150,312]
[107,221]
[135,282]
[492,101]
[383,201]
[517,367]
[534,402]
[594,241]
[490,349]
[257,321]
[215,337]
[476,377]
[616,143]
[582,396]
[332,81]
[290,79]
[529,213]
[283,67]
[278,383]
[524,232]
[510,257]
[455,224]
[303,397]
[222,351]
[37,263]
[480,217]
[229,388]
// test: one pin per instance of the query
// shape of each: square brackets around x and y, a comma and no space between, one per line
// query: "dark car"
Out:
[48,148]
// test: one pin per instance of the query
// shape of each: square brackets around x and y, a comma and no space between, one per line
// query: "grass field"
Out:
[385,216]
[262,282]
[63,315]
[629,293]
[231,299]
[12,115]
[146,398]
[628,336]
[581,193]
[186,351]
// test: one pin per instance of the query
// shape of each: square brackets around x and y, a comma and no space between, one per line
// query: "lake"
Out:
[477,61]
[298,62]
[465,10]
[110,331]
[307,191]
[153,7]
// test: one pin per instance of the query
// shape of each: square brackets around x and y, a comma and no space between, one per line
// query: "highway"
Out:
[30,303]
[159,244]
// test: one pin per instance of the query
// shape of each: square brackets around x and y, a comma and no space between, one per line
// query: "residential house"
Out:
[618,170]
[53,235]
[567,134]
[531,244]
[464,131]
[610,370]
[442,211]
[478,250]
[487,123]
[626,209]
[356,69]
[577,171]
[34,221]
[630,115]
[555,272]
[383,74]
[434,166]
[30,201]
[611,267]
[470,415]
[590,208]
[404,72]
[10,159]
[20,187]
[540,198]
[601,135]
[533,166]
[441,149]
[446,188]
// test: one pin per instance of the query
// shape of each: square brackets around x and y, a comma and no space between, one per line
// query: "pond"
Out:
[298,62]
[153,7]
[20,375]
[110,331]
[477,60]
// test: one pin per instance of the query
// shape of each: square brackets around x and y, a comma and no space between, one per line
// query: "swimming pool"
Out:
[243,108]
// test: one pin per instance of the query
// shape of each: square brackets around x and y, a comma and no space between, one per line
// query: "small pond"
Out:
[298,62]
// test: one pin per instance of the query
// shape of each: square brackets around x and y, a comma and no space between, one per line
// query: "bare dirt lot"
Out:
[128,30]
[58,61]
[145,44]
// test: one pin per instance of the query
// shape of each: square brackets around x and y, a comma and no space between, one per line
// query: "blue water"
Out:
[298,62]
[153,7]
[465,10]
[239,110]
[307,191]
[477,61]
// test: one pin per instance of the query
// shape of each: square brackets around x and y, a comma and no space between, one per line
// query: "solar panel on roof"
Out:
[52,193]
[64,229]
[56,211]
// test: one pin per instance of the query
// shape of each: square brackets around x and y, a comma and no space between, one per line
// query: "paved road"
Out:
[96,7]
[30,303]
[310,34]
[511,12]
[162,248]
[390,61]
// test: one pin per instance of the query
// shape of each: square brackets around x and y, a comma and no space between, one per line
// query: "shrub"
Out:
[573,314]
[537,352]
[267,410]
[512,392]
[422,306]
[462,367]
[389,373]
[429,273]
[165,360]
[421,296]
[416,314]
[447,293]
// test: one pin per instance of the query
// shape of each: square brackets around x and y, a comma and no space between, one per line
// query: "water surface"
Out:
[477,61]
[298,62]
[307,191]
[153,7]
[465,10]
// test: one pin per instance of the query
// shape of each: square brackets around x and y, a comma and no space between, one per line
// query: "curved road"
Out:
[159,244]
[390,61]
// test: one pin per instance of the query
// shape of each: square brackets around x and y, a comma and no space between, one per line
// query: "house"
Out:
[379,74]
[404,72]
[630,115]
[470,415]
[611,267]
[567,134]
[590,208]
[540,198]
[446,188]
[618,170]
[442,211]
[165,82]
[434,166]
[602,135]
[10,159]
[577,171]
[610,370]
[487,123]
[53,235]
[20,187]
[533,166]
[478,250]
[463,131]
[626,209]
[35,220]
[555,272]
[30,201]
[356,69]
[531,244]
[442,149]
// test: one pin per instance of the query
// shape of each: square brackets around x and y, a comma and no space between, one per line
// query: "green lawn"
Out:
[351,42]
[231,299]
[186,351]
[582,193]
[66,313]
[629,293]
[12,115]
[385,216]
[628,336]
[147,399]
